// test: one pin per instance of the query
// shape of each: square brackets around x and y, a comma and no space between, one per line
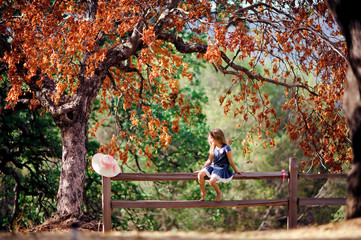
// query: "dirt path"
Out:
[344,230]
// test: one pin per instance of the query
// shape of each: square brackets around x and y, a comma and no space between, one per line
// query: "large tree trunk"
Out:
[74,134]
[352,106]
[348,16]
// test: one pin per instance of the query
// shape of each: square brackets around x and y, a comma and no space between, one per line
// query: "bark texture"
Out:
[72,177]
[348,17]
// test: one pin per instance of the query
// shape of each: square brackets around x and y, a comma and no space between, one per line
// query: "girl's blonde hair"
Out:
[218,135]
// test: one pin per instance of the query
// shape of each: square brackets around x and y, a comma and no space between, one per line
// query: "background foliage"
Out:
[30,148]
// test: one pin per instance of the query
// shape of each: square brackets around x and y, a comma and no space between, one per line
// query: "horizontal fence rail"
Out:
[292,201]
[196,203]
[321,201]
[193,176]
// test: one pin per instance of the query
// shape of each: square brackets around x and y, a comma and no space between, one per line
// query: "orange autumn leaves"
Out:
[52,44]
[281,43]
[297,47]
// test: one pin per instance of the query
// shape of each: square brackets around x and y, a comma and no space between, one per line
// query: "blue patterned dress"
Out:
[220,165]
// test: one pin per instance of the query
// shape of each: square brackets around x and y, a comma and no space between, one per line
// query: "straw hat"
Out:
[105,165]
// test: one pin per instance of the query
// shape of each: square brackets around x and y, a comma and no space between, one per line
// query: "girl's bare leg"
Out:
[213,182]
[202,184]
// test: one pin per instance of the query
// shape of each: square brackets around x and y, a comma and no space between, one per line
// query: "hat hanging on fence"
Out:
[105,165]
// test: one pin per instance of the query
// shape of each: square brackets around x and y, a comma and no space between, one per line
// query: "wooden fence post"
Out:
[292,193]
[106,192]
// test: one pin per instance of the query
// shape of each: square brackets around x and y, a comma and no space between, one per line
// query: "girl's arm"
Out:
[230,160]
[207,163]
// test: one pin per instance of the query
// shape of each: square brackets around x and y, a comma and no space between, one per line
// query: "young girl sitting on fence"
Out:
[217,165]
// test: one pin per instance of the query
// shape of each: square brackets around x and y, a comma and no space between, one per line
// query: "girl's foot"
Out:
[203,195]
[219,197]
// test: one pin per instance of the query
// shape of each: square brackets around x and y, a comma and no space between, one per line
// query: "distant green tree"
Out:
[30,148]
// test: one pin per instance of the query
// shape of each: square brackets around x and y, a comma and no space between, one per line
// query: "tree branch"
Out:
[181,46]
[256,76]
[267,6]
[45,93]
[324,39]
[241,11]
[201,48]
[125,50]
[93,9]
[158,26]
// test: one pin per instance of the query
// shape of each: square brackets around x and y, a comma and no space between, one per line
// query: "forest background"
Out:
[31,143]
[29,185]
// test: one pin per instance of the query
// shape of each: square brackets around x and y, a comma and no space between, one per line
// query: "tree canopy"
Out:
[66,53]
[133,44]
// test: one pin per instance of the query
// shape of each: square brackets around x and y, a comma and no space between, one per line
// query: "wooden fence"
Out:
[292,201]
